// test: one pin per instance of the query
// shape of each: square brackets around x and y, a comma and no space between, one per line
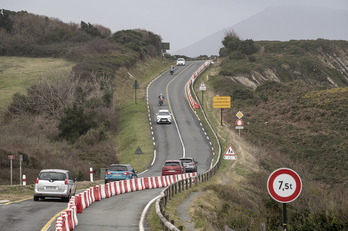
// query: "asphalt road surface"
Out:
[184,137]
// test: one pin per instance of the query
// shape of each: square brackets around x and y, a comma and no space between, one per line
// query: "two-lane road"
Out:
[171,141]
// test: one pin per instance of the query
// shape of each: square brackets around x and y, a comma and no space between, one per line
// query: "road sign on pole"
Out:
[138,151]
[284,185]
[230,154]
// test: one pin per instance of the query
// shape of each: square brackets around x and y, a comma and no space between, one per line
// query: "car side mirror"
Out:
[75,179]
[135,171]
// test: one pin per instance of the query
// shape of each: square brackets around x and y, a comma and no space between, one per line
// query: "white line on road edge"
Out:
[141,226]
[142,172]
[154,157]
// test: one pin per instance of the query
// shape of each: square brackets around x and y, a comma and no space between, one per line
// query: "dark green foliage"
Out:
[75,123]
[94,103]
[89,29]
[232,44]
[236,55]
[247,47]
[252,58]
[108,96]
[5,21]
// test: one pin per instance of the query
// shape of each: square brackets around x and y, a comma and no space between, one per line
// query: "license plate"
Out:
[51,187]
[117,174]
[171,171]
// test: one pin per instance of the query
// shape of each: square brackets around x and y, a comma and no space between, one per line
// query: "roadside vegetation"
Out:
[79,111]
[296,121]
[71,104]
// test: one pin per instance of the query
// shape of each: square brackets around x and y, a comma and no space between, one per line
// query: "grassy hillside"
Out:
[67,105]
[297,121]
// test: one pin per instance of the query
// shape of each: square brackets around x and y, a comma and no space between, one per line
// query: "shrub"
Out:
[75,123]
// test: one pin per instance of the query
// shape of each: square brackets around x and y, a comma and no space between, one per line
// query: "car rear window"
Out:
[118,168]
[172,164]
[186,160]
[52,176]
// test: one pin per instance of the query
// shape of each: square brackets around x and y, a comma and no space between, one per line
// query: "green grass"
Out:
[133,127]
[17,72]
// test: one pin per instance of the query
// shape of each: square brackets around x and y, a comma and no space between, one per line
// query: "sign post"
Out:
[284,185]
[20,168]
[11,157]
[230,154]
[221,102]
[135,87]
[138,151]
[202,88]
[239,122]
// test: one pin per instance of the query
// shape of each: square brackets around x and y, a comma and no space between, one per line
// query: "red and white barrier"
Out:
[192,80]
[68,219]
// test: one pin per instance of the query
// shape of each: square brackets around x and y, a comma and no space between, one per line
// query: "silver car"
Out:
[54,183]
[164,116]
[189,163]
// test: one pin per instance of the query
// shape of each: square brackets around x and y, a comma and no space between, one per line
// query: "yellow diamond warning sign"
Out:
[239,114]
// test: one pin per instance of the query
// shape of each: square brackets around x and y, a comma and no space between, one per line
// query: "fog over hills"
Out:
[278,23]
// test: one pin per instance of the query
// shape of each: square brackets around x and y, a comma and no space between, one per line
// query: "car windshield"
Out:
[118,168]
[181,59]
[163,113]
[172,164]
[52,176]
[186,160]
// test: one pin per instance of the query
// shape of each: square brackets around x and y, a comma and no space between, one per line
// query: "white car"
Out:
[54,183]
[180,62]
[164,116]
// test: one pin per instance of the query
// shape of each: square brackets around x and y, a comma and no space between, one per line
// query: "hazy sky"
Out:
[179,22]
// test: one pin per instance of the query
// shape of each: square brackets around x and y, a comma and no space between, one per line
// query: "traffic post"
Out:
[202,88]
[11,157]
[91,174]
[284,185]
[239,122]
[230,154]
[138,151]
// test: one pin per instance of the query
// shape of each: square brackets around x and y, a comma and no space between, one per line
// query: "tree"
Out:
[75,123]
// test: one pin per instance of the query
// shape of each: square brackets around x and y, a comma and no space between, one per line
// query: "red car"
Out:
[173,167]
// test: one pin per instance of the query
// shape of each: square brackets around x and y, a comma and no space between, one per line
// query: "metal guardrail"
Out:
[182,185]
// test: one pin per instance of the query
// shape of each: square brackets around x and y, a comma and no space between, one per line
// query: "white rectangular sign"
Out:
[230,157]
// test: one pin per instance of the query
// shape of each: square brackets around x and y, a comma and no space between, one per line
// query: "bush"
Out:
[75,123]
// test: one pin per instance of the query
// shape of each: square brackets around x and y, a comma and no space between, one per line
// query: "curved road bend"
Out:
[122,212]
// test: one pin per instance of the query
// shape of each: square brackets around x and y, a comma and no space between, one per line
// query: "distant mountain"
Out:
[279,23]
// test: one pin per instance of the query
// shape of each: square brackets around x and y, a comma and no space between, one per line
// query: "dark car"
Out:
[173,167]
[189,163]
[120,172]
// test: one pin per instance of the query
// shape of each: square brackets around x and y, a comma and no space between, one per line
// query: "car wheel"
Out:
[36,198]
[66,199]
[106,182]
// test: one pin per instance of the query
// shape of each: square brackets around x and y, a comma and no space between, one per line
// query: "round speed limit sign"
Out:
[239,122]
[284,185]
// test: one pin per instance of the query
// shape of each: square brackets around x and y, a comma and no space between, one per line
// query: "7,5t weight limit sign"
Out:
[284,185]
